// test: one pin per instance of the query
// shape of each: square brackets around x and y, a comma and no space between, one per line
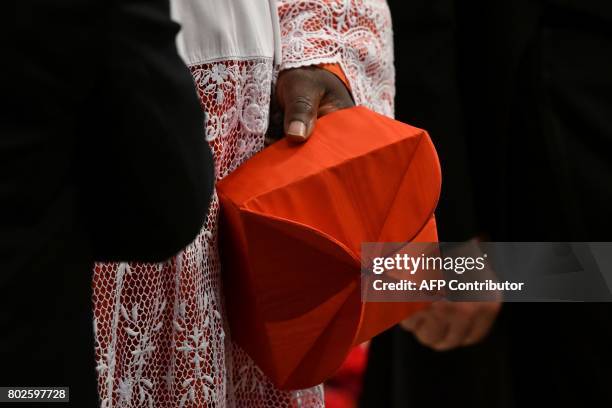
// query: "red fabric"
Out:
[339,398]
[292,222]
[344,388]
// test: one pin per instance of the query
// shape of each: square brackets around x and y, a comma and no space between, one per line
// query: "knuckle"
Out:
[430,338]
[303,104]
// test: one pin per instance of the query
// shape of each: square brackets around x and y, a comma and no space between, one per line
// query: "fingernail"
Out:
[297,128]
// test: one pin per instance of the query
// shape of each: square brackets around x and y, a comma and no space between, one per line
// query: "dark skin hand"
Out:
[449,325]
[302,96]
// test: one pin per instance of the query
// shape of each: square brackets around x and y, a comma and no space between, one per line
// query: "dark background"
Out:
[517,96]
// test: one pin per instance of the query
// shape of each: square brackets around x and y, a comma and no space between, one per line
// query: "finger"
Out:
[460,323]
[300,96]
[269,141]
[413,323]
[482,324]
[337,95]
[431,331]
[276,129]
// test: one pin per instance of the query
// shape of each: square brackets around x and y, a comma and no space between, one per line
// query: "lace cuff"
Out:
[355,34]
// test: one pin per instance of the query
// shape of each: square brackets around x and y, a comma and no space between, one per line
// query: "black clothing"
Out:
[517,96]
[102,157]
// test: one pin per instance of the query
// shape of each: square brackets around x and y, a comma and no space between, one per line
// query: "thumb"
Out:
[301,104]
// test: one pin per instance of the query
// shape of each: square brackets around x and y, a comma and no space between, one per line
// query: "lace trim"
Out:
[161,335]
[356,34]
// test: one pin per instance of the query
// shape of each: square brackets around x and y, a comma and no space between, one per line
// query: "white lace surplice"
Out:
[161,334]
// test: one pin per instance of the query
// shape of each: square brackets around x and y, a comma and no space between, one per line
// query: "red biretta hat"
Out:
[292,222]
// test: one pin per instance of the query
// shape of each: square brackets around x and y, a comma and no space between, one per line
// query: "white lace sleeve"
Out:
[356,34]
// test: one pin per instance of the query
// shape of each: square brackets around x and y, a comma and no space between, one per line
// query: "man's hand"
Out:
[448,325]
[303,95]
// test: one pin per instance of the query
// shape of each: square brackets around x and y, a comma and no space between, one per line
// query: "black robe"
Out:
[102,157]
[517,95]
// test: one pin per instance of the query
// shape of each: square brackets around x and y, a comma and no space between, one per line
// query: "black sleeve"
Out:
[145,169]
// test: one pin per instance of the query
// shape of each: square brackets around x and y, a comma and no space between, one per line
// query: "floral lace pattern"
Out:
[161,331]
[161,337]
[356,34]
